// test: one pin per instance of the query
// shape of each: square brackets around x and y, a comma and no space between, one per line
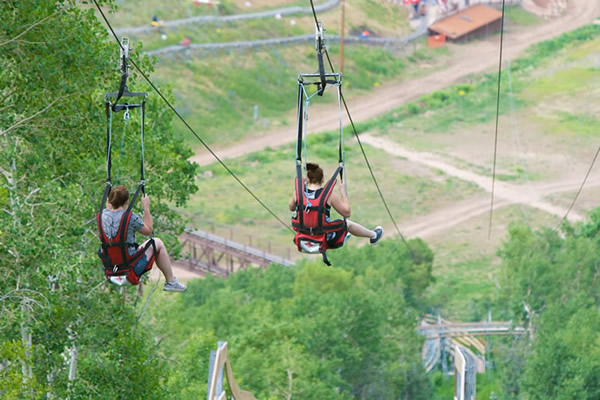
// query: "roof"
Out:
[466,21]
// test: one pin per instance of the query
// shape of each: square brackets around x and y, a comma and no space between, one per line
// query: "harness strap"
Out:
[315,231]
[321,86]
[324,254]
[129,262]
[122,88]
[325,196]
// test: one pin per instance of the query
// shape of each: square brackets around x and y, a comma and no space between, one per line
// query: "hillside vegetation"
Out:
[443,122]
[217,91]
[306,331]
[56,63]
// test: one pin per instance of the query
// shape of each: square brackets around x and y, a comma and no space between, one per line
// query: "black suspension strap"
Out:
[108,156]
[320,47]
[124,67]
[112,106]
[142,170]
[299,139]
[341,152]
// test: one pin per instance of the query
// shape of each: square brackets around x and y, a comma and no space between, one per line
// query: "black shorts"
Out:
[335,239]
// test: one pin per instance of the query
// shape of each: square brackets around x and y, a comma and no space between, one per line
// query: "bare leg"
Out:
[163,261]
[359,230]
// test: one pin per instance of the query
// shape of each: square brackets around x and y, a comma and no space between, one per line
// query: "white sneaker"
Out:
[174,286]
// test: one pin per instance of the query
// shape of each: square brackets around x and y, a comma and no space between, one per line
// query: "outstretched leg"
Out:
[163,261]
[359,230]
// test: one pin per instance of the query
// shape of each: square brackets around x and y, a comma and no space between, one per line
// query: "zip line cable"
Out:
[497,120]
[581,120]
[363,150]
[189,127]
[587,175]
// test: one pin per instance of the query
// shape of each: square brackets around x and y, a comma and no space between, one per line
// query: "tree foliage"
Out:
[56,62]
[551,284]
[311,331]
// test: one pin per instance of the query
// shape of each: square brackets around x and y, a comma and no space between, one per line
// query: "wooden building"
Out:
[475,21]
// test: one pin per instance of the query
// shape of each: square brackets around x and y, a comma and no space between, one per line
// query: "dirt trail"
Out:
[505,193]
[473,58]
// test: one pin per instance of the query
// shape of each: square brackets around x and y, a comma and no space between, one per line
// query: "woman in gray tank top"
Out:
[118,201]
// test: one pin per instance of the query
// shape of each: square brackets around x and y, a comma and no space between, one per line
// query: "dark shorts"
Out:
[140,265]
[335,239]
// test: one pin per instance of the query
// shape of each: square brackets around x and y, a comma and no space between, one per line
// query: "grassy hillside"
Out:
[411,190]
[217,94]
[381,18]
[457,125]
[140,12]
[217,91]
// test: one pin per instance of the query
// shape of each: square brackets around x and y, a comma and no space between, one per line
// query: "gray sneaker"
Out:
[379,232]
[174,286]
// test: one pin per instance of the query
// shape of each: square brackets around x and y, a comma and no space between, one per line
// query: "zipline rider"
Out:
[315,194]
[112,219]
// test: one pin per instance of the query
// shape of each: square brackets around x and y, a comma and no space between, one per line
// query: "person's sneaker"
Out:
[379,234]
[174,286]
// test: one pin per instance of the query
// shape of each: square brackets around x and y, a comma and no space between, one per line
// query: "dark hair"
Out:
[118,196]
[314,173]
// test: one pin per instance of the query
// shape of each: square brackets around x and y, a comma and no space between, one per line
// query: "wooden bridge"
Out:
[206,252]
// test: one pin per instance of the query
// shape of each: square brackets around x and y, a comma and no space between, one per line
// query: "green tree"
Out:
[551,283]
[315,332]
[56,62]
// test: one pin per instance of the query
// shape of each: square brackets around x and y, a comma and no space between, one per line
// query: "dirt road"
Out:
[505,194]
[475,57]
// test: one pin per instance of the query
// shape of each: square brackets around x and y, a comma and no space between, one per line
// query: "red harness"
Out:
[118,263]
[311,220]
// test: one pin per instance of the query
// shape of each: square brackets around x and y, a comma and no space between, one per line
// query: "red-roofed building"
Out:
[478,20]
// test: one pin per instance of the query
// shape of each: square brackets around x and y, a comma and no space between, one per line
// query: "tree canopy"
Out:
[550,283]
[56,62]
[310,331]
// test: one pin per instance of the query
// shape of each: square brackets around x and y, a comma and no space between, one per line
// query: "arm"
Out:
[292,203]
[340,203]
[147,228]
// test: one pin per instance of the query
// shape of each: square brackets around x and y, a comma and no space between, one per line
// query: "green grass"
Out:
[140,12]
[382,20]
[571,125]
[538,78]
[270,174]
[518,16]
[467,266]
[216,93]
[234,31]
[573,81]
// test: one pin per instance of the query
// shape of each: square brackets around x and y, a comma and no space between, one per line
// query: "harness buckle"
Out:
[115,268]
[307,207]
[126,114]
